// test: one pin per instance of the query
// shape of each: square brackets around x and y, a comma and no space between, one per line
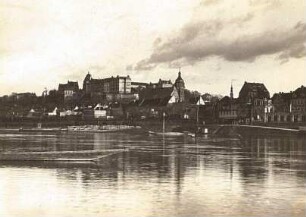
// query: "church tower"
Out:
[180,86]
[86,83]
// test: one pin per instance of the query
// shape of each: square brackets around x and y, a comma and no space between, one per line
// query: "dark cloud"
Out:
[157,42]
[145,65]
[200,40]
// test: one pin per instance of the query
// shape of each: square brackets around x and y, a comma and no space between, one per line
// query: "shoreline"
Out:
[173,126]
[257,130]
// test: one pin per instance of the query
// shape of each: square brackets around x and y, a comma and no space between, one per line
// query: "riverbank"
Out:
[148,124]
[251,130]
[176,125]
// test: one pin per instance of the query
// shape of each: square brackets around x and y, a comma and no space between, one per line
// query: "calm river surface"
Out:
[258,176]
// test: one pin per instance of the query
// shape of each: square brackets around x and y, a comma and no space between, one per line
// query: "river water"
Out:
[256,176]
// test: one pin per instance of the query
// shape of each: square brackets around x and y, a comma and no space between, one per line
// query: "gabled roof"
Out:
[155,96]
[71,85]
[254,90]
[195,100]
[300,92]
[155,93]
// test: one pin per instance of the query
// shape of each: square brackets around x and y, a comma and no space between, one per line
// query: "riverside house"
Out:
[254,102]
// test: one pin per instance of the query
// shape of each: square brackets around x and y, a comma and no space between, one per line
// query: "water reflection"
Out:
[262,176]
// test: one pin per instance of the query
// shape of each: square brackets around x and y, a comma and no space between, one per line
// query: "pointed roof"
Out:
[87,77]
[254,90]
[179,77]
[155,96]
[198,100]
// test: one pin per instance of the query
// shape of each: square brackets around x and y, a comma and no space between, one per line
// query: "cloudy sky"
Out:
[215,42]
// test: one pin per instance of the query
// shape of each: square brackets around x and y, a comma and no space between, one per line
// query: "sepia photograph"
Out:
[151,108]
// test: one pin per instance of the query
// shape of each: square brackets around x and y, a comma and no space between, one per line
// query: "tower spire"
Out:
[179,73]
[180,86]
[232,93]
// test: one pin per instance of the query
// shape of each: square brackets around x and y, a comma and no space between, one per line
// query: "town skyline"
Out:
[232,89]
[214,42]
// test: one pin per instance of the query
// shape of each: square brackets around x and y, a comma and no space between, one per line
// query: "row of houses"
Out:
[255,105]
[89,112]
[120,97]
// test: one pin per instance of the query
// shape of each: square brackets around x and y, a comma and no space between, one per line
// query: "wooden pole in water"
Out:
[198,112]
[164,124]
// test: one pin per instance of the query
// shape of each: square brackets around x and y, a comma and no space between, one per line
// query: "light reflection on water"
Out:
[157,177]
